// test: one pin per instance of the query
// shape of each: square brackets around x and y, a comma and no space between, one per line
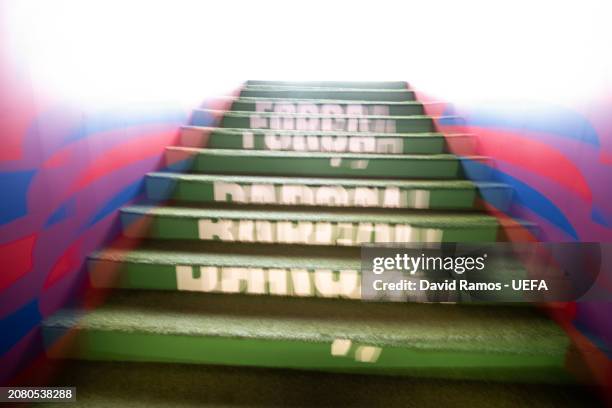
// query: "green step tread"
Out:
[333,84]
[259,139]
[317,106]
[311,181]
[214,253]
[253,99]
[299,333]
[356,123]
[340,141]
[156,385]
[249,254]
[483,329]
[325,88]
[417,218]
[248,114]
[166,267]
[307,225]
[240,131]
[253,255]
[315,164]
[330,93]
[324,155]
[430,194]
[195,266]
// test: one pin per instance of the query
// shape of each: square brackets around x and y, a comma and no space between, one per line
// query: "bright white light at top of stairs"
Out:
[107,50]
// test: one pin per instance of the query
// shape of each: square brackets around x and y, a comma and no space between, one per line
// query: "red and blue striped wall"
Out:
[64,171]
[558,159]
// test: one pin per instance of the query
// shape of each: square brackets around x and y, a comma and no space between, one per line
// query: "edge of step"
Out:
[290,153]
[323,132]
[418,217]
[254,99]
[327,272]
[329,93]
[239,131]
[417,183]
[321,88]
[421,194]
[218,113]
[332,84]
[314,333]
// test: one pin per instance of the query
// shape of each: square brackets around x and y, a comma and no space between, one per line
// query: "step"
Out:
[307,226]
[305,271]
[428,340]
[312,164]
[320,122]
[328,107]
[329,93]
[295,140]
[229,268]
[159,385]
[334,84]
[326,192]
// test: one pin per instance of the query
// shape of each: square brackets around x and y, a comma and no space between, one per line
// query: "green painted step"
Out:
[295,140]
[327,107]
[423,194]
[334,84]
[313,164]
[216,267]
[158,385]
[306,226]
[320,122]
[329,93]
[230,268]
[428,340]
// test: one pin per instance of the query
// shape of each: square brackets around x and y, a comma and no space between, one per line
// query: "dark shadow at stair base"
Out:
[161,385]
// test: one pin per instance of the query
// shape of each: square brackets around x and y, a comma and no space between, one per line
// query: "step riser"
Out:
[282,141]
[335,84]
[328,108]
[329,124]
[326,355]
[159,188]
[410,167]
[273,280]
[136,225]
[354,95]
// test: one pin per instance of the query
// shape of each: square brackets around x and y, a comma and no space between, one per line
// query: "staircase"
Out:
[241,286]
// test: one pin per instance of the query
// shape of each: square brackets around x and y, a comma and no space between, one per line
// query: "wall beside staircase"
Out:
[557,156]
[65,168]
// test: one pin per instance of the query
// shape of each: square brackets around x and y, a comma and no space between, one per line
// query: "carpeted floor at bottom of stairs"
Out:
[121,384]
